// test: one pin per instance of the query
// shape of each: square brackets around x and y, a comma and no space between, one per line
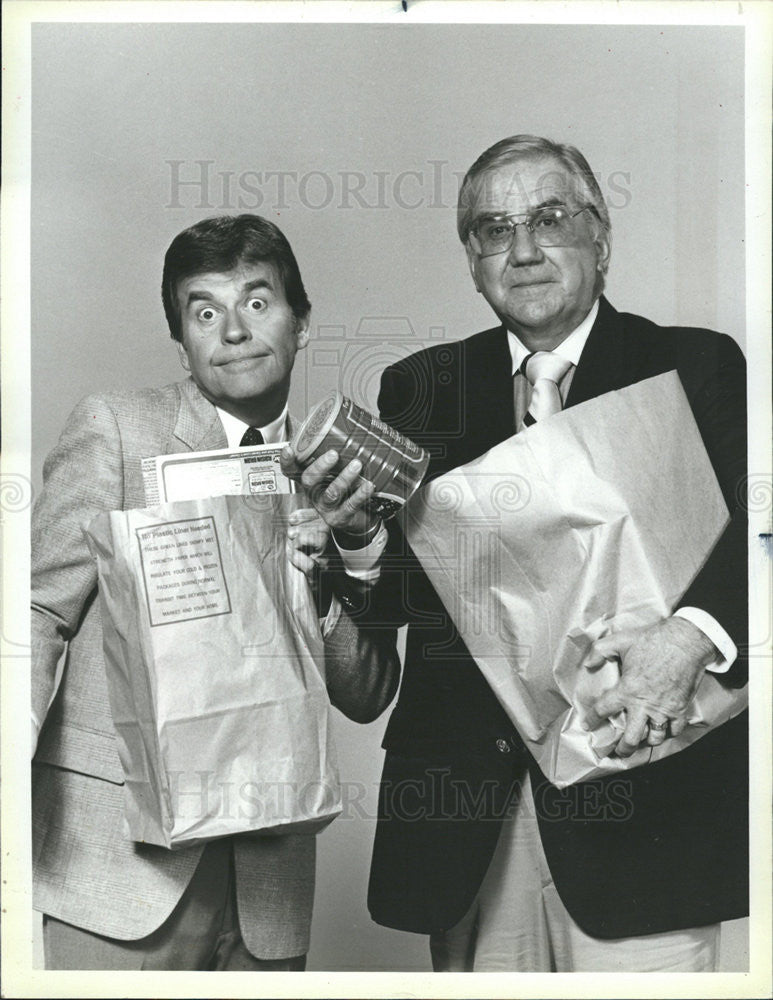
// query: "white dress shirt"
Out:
[234,428]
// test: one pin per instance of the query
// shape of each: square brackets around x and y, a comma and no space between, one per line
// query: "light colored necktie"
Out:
[544,370]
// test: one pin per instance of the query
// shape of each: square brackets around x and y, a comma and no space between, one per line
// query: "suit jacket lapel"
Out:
[198,426]
[489,394]
[601,368]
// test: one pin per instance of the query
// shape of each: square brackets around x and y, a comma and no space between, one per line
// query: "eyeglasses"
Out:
[549,227]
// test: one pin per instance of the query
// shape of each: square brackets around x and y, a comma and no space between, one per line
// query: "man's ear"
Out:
[603,250]
[472,260]
[303,325]
[183,355]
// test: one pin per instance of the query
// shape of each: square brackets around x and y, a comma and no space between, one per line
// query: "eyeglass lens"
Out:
[549,227]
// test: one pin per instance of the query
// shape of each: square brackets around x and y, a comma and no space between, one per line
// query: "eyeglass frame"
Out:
[530,216]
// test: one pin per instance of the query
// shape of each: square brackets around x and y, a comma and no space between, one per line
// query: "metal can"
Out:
[393,463]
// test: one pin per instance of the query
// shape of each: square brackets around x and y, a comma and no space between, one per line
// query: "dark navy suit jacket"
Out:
[657,848]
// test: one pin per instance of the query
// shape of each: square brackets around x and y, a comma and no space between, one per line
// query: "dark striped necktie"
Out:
[251,437]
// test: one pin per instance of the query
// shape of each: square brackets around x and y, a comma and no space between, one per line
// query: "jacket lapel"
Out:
[489,394]
[601,368]
[198,426]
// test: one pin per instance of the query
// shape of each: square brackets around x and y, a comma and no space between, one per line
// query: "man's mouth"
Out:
[531,284]
[242,361]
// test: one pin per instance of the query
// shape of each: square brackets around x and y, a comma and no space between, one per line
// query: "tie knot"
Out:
[545,364]
[251,436]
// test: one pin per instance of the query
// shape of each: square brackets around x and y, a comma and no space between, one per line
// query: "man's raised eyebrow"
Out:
[251,286]
[197,295]
[201,295]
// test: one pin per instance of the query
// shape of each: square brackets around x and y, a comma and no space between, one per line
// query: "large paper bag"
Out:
[215,671]
[592,521]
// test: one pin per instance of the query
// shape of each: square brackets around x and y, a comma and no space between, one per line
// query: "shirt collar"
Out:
[570,348]
[234,428]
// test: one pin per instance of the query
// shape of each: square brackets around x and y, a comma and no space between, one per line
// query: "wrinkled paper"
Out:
[215,671]
[594,520]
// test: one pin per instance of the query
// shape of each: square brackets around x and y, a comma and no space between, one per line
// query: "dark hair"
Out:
[220,244]
[517,147]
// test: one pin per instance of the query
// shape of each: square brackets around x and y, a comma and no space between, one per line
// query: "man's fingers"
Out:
[302,514]
[343,483]
[312,543]
[288,462]
[657,730]
[610,703]
[598,655]
[635,732]
[340,497]
[609,647]
[330,494]
[309,532]
[309,537]
[306,539]
[360,497]
[677,726]
[316,475]
[300,559]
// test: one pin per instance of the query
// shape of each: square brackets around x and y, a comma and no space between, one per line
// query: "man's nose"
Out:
[524,250]
[235,329]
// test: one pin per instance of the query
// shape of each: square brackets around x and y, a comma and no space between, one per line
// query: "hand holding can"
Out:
[356,450]
[342,499]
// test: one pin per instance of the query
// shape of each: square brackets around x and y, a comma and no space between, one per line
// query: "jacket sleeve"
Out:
[362,663]
[362,668]
[82,477]
[721,587]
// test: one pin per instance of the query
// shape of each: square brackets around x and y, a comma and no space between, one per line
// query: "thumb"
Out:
[608,647]
[610,703]
[287,462]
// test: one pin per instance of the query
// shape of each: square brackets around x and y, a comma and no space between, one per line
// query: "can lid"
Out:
[318,422]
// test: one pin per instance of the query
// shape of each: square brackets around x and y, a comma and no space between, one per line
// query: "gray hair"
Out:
[518,147]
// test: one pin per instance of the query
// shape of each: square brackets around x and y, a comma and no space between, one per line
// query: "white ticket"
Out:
[197,474]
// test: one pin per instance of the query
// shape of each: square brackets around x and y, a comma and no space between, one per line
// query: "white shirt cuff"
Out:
[362,563]
[728,651]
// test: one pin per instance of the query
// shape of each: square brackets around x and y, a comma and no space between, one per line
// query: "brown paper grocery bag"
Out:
[592,521]
[215,671]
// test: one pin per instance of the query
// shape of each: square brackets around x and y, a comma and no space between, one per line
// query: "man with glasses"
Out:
[474,847]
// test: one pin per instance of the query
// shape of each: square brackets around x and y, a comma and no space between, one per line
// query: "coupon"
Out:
[195,475]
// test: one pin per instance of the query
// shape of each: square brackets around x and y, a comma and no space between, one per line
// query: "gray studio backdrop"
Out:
[352,139]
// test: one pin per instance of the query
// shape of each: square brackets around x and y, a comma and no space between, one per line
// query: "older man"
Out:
[473,845]
[238,313]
